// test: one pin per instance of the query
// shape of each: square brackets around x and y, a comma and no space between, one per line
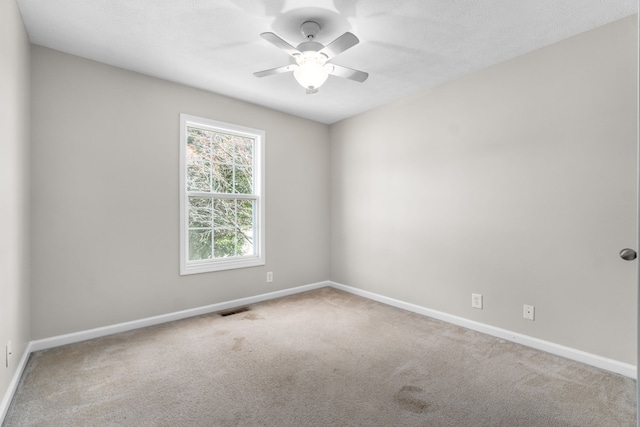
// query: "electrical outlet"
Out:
[8,352]
[476,301]
[269,276]
[529,312]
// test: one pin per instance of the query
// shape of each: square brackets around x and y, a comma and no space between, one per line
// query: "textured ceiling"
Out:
[406,46]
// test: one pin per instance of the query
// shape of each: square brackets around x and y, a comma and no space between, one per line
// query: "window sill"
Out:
[207,266]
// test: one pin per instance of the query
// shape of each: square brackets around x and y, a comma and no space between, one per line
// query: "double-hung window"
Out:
[221,196]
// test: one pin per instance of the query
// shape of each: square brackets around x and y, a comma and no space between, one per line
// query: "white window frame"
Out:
[217,264]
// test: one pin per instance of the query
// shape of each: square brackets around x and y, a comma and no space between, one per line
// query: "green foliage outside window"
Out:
[220,165]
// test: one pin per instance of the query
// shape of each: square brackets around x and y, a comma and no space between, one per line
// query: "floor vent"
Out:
[233,311]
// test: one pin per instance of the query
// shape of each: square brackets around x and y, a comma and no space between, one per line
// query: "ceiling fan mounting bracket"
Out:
[310,30]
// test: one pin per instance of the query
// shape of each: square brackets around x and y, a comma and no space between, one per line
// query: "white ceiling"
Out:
[406,46]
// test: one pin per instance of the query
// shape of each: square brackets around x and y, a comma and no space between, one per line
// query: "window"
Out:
[221,196]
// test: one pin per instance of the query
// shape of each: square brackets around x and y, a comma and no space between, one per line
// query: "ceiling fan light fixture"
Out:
[312,67]
[311,72]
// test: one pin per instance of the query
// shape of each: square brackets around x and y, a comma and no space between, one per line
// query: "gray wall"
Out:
[105,197]
[14,188]
[517,182]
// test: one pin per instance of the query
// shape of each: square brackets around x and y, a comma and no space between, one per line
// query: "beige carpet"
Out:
[322,358]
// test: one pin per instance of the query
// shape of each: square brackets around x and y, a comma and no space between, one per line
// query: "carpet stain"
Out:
[237,346]
[251,316]
[411,398]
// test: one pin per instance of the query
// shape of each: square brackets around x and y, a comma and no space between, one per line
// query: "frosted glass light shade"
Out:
[311,72]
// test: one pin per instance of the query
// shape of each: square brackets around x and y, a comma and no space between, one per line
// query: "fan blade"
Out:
[339,45]
[273,71]
[348,73]
[278,42]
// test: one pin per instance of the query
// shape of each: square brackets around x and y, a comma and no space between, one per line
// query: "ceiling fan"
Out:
[312,67]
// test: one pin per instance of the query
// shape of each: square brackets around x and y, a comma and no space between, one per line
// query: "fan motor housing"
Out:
[309,46]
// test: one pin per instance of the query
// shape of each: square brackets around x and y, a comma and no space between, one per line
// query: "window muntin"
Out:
[222,204]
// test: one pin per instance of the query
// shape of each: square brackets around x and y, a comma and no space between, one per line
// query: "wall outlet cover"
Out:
[476,301]
[529,312]
[8,352]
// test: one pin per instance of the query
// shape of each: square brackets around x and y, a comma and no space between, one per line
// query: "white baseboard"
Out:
[549,347]
[74,337]
[13,385]
[569,353]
